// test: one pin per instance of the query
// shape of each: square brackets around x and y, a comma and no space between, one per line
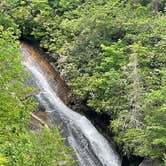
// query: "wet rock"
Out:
[149,162]
[51,71]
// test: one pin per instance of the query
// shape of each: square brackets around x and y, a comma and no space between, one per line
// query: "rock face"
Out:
[39,119]
[40,58]
[148,162]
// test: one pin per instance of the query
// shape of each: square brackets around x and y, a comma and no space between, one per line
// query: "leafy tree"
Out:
[112,55]
[18,146]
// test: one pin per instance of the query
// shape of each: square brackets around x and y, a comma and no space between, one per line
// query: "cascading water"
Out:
[91,148]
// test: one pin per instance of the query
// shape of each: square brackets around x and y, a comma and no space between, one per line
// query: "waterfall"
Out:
[91,148]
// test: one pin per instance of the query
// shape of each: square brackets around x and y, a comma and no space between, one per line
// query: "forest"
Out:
[112,55]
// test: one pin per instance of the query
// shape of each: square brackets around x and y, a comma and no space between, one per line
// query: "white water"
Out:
[92,149]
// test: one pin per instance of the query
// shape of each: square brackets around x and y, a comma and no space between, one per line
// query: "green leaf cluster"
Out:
[18,145]
[112,54]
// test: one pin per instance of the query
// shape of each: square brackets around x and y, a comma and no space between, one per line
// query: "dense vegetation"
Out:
[19,146]
[112,54]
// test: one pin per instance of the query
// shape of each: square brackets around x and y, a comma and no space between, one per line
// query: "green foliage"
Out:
[3,160]
[51,148]
[44,147]
[155,119]
[10,60]
[112,54]
[17,145]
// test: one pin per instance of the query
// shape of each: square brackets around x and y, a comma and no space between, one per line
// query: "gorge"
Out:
[91,148]
[87,80]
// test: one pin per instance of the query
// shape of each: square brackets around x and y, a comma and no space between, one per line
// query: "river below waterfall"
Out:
[91,148]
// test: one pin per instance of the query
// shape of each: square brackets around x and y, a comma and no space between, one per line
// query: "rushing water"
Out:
[92,149]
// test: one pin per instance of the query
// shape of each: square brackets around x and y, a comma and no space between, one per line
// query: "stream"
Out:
[91,148]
